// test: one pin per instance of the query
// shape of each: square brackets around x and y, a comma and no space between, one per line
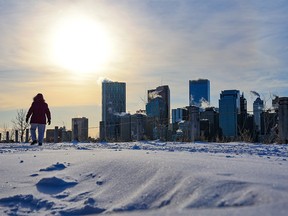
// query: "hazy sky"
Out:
[236,44]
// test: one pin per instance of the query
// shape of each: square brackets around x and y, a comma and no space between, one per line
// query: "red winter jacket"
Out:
[39,111]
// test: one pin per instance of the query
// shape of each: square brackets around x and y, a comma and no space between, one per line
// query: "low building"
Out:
[80,129]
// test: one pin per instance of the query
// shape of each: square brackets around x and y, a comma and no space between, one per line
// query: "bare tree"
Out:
[4,129]
[20,123]
[245,135]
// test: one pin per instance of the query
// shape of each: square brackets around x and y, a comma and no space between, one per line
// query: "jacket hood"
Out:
[39,98]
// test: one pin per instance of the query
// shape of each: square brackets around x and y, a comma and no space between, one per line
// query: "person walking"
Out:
[39,113]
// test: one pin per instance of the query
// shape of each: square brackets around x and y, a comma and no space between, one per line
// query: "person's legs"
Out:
[33,131]
[41,131]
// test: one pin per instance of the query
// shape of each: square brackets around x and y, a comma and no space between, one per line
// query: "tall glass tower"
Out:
[159,97]
[199,90]
[258,107]
[229,108]
[113,104]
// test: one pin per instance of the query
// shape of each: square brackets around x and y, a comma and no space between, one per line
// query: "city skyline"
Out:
[236,45]
[114,94]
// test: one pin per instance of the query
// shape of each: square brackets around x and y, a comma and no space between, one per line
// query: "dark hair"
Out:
[39,97]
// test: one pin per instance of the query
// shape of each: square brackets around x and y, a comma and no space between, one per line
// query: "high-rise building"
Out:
[125,128]
[283,119]
[246,124]
[229,108]
[138,126]
[157,108]
[275,102]
[199,90]
[243,115]
[80,129]
[212,115]
[113,105]
[159,104]
[258,106]
[194,121]
[269,120]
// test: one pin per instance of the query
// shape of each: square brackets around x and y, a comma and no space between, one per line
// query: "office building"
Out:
[194,121]
[269,122]
[157,108]
[246,126]
[275,102]
[212,115]
[283,119]
[258,106]
[159,104]
[179,114]
[113,105]
[80,129]
[138,126]
[229,108]
[243,115]
[199,90]
[125,128]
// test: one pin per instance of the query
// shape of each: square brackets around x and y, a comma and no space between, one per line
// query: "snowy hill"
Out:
[144,178]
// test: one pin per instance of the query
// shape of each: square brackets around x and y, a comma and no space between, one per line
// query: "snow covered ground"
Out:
[144,178]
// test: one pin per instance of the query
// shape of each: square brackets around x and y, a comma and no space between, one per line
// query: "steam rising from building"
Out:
[101,80]
[154,94]
[204,103]
[121,114]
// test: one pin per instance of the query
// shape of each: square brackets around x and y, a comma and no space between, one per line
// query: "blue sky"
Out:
[235,44]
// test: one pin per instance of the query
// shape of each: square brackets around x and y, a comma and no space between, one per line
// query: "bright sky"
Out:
[64,49]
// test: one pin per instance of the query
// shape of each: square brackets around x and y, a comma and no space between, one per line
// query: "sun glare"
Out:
[81,45]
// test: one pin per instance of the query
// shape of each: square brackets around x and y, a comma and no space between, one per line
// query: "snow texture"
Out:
[144,178]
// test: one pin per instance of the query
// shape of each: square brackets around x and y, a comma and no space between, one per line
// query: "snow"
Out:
[144,178]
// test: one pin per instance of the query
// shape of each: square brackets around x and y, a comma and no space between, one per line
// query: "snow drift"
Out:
[144,178]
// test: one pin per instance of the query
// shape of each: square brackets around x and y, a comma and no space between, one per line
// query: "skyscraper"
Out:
[113,104]
[212,115]
[194,121]
[283,119]
[229,108]
[159,104]
[243,114]
[258,106]
[199,90]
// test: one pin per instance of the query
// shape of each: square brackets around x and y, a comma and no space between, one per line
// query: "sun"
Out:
[80,44]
